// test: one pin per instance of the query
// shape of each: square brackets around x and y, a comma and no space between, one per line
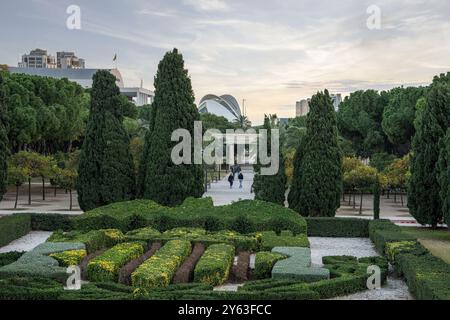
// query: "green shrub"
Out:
[94,240]
[144,234]
[270,240]
[214,266]
[382,232]
[264,262]
[158,271]
[106,267]
[13,227]
[244,216]
[69,258]
[38,263]
[9,257]
[52,222]
[338,227]
[392,249]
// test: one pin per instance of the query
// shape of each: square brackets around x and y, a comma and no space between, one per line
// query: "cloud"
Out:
[208,5]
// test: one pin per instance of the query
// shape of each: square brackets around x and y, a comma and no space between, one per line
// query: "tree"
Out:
[317,185]
[173,108]
[444,176]
[376,199]
[16,177]
[106,171]
[270,188]
[243,122]
[67,179]
[4,150]
[362,178]
[399,115]
[381,160]
[424,201]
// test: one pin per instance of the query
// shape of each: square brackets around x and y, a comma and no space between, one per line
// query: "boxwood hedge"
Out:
[215,265]
[13,227]
[338,227]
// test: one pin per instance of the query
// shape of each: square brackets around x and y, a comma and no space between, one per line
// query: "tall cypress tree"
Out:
[270,188]
[317,184]
[424,200]
[4,150]
[173,108]
[444,176]
[106,171]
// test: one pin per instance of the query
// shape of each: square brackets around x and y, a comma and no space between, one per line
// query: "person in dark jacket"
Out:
[231,180]
[241,179]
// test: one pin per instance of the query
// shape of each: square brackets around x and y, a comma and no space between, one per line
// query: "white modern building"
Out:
[224,106]
[139,95]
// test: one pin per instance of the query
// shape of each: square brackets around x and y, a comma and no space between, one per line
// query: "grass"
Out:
[437,241]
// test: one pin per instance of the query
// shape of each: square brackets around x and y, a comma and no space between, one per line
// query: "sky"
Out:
[270,53]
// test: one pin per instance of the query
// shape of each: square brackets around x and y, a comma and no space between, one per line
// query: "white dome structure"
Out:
[223,106]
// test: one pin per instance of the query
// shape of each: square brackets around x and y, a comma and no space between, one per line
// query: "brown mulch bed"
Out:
[240,272]
[185,272]
[126,271]
[84,263]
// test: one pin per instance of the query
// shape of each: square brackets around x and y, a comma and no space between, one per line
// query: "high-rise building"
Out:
[337,100]
[302,107]
[38,58]
[68,60]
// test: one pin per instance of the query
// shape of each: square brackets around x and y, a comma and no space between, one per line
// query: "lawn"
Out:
[437,241]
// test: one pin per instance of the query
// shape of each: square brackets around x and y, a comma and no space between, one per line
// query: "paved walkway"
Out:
[223,195]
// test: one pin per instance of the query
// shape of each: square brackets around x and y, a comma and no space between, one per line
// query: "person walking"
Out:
[241,179]
[231,180]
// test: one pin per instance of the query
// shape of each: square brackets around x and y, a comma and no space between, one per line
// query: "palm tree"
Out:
[243,122]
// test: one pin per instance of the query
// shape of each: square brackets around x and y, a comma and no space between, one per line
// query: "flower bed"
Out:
[270,240]
[106,267]
[214,266]
[158,271]
[94,240]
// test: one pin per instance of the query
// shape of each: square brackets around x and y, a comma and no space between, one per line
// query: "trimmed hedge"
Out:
[9,257]
[38,263]
[13,227]
[338,227]
[69,258]
[270,240]
[106,267]
[215,265]
[94,240]
[198,235]
[244,217]
[158,271]
[264,262]
[52,222]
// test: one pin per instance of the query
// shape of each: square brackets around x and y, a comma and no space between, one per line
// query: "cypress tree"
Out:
[173,108]
[270,188]
[444,176]
[424,199]
[106,171]
[317,185]
[376,199]
[4,150]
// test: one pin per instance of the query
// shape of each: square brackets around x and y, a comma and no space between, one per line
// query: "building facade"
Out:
[68,60]
[223,106]
[302,107]
[41,59]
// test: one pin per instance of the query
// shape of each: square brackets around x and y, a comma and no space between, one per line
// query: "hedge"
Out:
[338,227]
[9,257]
[264,262]
[52,222]
[197,235]
[427,276]
[215,265]
[297,266]
[38,263]
[106,266]
[94,240]
[13,227]
[244,217]
[270,240]
[158,271]
[69,258]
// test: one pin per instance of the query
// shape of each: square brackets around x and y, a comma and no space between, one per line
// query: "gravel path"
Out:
[28,242]
[395,289]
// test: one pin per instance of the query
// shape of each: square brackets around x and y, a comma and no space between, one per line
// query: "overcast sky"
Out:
[272,53]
